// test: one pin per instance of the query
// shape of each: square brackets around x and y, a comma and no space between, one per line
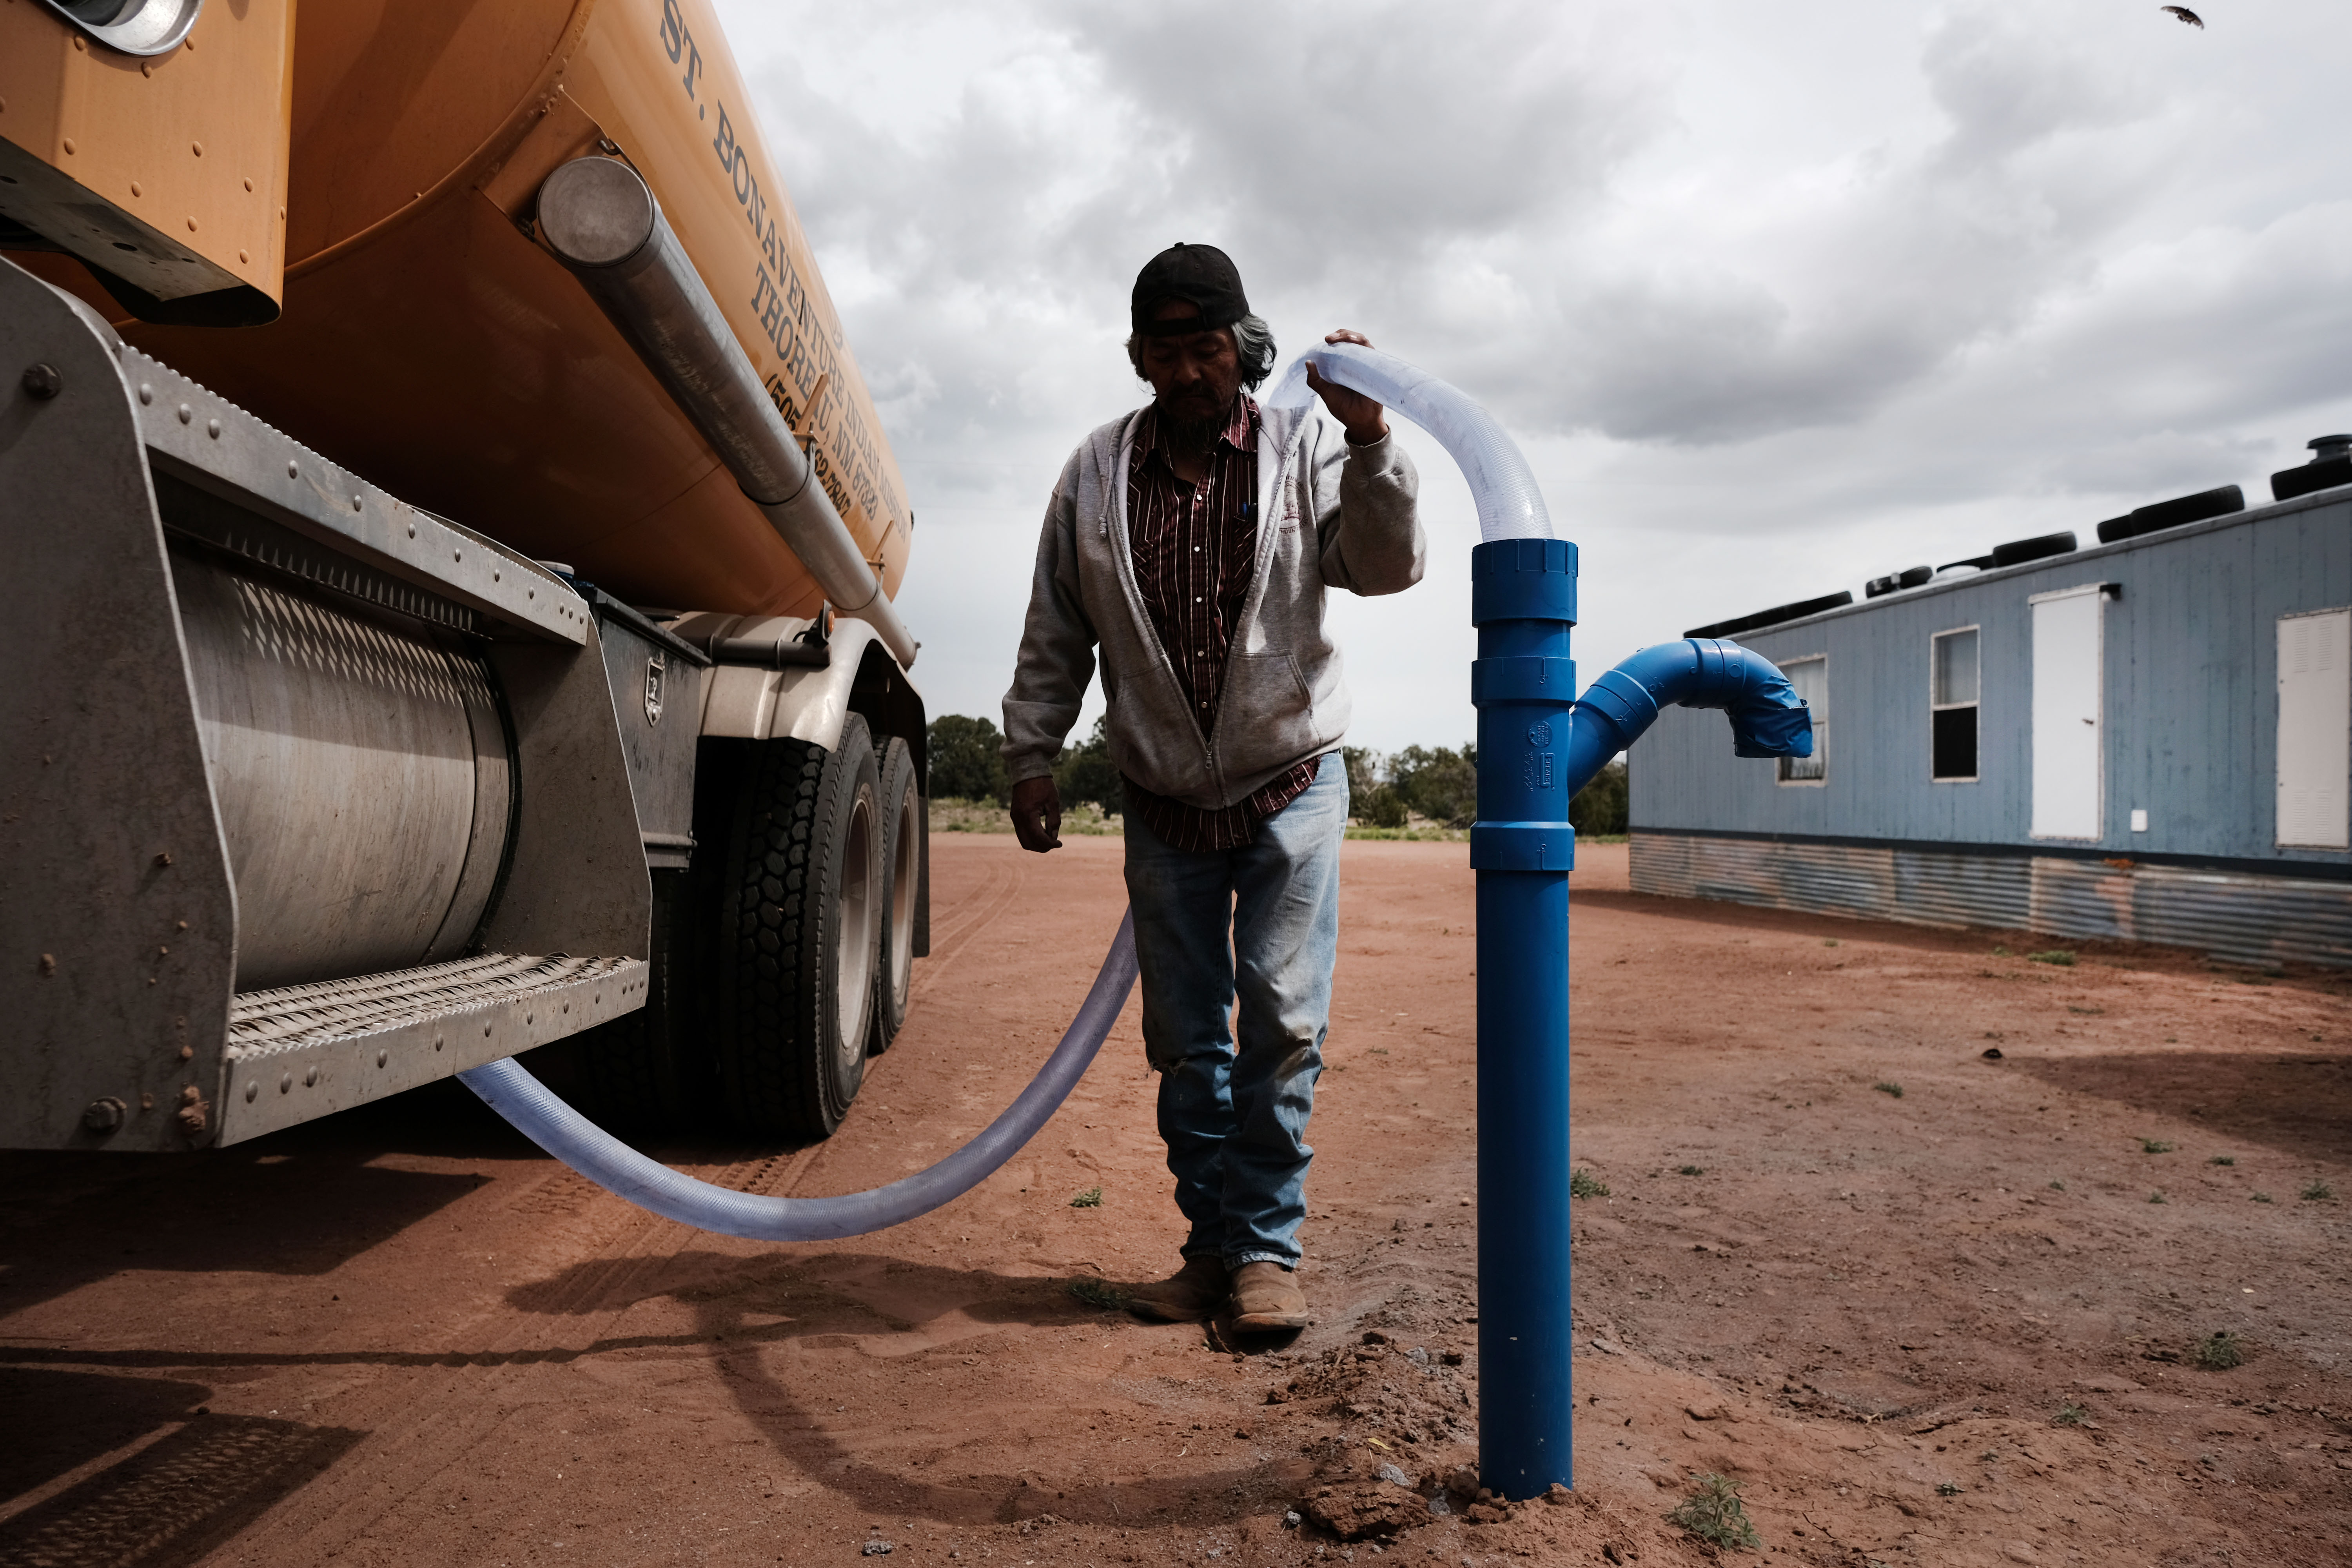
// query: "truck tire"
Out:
[648,1072]
[902,886]
[798,935]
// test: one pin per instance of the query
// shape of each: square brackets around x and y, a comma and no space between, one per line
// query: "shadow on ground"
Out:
[2298,1105]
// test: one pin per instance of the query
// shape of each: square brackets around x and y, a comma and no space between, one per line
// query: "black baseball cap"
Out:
[1199,274]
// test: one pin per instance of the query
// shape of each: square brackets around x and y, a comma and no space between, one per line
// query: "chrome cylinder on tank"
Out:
[363,776]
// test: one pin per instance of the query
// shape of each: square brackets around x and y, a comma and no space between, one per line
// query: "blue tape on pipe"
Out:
[508,1089]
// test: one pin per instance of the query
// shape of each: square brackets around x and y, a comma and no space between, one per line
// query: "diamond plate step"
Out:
[302,1051]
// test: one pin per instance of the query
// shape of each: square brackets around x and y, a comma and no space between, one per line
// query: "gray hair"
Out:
[1253,343]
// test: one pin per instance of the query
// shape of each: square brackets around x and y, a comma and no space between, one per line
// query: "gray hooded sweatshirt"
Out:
[1329,515]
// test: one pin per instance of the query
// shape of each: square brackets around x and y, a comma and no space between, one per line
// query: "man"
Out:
[1192,541]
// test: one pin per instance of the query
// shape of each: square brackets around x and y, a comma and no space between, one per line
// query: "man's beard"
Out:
[1191,427]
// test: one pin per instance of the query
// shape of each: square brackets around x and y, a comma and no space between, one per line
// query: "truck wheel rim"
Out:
[855,917]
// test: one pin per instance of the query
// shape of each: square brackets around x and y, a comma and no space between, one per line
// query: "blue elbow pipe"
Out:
[1768,718]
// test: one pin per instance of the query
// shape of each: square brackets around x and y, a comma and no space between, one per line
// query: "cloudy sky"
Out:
[1777,298]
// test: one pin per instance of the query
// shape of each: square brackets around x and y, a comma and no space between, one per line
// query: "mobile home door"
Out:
[2069,775]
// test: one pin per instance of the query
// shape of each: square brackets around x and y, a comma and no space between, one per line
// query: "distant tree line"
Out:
[1435,783]
[968,763]
[1441,786]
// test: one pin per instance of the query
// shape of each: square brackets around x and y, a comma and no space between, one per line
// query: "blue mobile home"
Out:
[2150,739]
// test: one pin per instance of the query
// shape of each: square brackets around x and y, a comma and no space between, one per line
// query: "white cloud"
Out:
[1776,297]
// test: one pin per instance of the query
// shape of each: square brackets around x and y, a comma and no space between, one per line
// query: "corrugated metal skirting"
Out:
[2246,919]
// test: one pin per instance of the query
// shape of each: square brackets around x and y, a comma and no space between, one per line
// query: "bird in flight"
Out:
[2184,13]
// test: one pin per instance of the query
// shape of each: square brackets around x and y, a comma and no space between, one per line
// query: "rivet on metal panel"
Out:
[191,225]
[146,393]
[211,428]
[311,1077]
[457,555]
[248,184]
[252,1087]
[412,530]
[528,1020]
[437,1042]
[186,413]
[164,858]
[195,148]
[48,964]
[485,1031]
[103,1116]
[146,1102]
[356,502]
[381,1057]
[187,1053]
[494,574]
[244,256]
[42,382]
[291,470]
[286,1081]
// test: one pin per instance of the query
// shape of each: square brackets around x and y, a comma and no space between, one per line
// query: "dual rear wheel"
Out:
[784,959]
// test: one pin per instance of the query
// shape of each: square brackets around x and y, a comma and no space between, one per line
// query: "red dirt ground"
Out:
[401,1336]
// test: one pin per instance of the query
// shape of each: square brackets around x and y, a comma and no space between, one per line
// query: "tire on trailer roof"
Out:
[902,886]
[798,934]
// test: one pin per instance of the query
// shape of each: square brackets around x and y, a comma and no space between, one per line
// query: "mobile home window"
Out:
[1953,689]
[1810,677]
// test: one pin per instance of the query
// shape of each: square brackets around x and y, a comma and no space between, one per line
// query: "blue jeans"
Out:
[1262,922]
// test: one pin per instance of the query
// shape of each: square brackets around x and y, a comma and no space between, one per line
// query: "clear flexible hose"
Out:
[509,1087]
[1511,505]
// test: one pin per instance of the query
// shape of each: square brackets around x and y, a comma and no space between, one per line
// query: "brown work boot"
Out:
[1267,1296]
[1193,1294]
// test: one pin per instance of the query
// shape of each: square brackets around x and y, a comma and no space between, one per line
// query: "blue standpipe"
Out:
[1536,750]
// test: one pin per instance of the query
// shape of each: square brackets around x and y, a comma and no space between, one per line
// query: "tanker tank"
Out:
[427,337]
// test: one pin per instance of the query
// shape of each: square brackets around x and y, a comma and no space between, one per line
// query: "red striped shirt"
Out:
[1195,551]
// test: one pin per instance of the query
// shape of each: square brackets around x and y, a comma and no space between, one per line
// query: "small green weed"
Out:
[2158,1198]
[2222,1160]
[1829,942]
[1089,1199]
[1715,1514]
[1893,1089]
[2220,1350]
[1947,1488]
[2057,1186]
[2262,1197]
[2000,953]
[1585,1184]
[2153,1146]
[2072,1415]
[1094,1293]
[1690,1170]
[2057,955]
[1988,1457]
[2318,1193]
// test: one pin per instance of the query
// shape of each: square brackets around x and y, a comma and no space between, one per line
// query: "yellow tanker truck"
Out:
[452,556]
